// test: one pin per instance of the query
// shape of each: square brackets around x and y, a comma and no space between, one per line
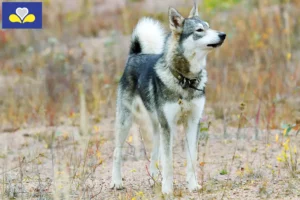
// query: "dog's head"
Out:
[193,31]
[193,34]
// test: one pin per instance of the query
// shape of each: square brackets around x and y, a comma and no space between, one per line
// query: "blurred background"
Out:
[67,73]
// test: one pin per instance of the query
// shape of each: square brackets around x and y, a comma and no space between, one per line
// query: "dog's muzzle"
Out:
[222,37]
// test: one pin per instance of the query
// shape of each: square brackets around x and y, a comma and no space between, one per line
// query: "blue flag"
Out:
[22,15]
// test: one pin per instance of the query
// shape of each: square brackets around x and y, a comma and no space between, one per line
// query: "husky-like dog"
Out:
[167,72]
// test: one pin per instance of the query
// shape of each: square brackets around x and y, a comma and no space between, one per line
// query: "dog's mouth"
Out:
[215,45]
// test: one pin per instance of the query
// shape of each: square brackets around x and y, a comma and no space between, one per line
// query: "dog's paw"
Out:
[167,188]
[194,187]
[118,185]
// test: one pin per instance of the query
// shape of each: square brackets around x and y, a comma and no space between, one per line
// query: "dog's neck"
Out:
[197,60]
[186,62]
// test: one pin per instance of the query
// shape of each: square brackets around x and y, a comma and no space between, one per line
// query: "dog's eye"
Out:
[199,30]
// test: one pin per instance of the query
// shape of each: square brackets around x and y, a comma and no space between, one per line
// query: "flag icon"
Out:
[22,15]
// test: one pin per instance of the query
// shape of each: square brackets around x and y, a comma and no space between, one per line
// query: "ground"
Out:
[35,162]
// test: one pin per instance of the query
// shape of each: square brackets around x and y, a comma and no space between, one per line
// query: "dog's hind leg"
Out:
[123,124]
[192,143]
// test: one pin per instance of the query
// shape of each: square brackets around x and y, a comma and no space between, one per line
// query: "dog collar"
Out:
[186,82]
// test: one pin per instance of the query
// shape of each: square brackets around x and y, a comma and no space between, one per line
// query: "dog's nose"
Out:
[222,35]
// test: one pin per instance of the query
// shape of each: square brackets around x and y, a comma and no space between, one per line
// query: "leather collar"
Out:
[186,82]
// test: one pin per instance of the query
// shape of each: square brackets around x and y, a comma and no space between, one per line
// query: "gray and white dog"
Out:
[167,72]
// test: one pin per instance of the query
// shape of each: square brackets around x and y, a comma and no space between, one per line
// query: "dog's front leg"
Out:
[167,120]
[155,150]
[192,143]
[166,160]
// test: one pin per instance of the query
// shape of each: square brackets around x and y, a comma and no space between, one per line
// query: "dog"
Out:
[168,73]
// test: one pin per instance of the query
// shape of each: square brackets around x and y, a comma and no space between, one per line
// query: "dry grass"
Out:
[66,76]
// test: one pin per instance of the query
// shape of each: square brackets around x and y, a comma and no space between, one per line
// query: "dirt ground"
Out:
[59,163]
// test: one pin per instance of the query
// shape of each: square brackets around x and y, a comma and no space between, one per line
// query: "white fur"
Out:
[155,145]
[155,149]
[151,35]
[197,60]
[211,36]
[196,50]
[192,142]
[172,111]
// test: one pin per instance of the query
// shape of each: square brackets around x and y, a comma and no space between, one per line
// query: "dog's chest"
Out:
[179,111]
[185,109]
[185,105]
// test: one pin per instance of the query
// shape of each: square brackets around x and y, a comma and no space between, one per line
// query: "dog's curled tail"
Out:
[148,37]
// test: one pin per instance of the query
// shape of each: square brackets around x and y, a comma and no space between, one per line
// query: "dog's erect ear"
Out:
[194,11]
[176,20]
